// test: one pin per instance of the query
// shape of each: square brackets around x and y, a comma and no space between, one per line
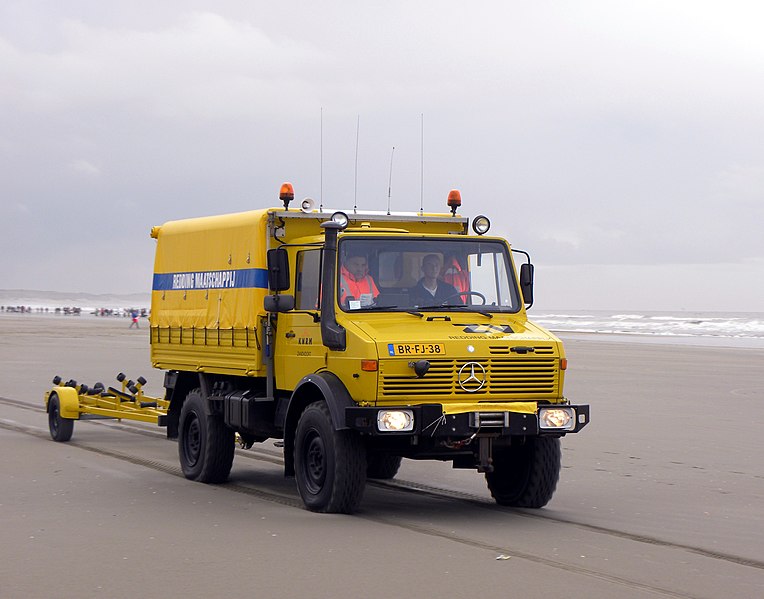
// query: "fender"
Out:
[314,387]
[68,402]
[331,388]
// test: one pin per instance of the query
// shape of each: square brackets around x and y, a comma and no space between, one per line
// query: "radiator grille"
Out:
[527,377]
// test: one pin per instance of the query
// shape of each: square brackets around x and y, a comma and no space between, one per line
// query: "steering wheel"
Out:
[463,293]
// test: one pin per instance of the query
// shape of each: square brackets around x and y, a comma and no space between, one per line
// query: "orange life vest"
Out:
[362,289]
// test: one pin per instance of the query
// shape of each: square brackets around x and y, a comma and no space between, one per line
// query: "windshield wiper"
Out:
[458,308]
[387,308]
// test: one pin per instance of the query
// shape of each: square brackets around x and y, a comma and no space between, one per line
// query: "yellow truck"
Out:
[355,340]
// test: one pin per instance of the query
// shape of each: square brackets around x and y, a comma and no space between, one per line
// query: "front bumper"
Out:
[431,421]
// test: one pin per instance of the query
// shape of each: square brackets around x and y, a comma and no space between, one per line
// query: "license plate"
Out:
[416,349]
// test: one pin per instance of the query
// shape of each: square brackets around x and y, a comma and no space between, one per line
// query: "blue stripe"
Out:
[244,278]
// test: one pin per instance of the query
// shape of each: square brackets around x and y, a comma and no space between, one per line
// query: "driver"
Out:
[430,290]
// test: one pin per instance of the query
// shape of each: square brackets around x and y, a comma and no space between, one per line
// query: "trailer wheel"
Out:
[526,475]
[61,429]
[205,444]
[330,465]
[382,466]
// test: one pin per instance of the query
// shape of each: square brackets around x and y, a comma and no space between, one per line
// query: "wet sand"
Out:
[661,495]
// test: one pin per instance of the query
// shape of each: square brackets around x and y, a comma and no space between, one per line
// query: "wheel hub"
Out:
[54,419]
[315,463]
[192,442]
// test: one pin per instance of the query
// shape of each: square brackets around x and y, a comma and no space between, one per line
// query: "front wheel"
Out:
[205,444]
[330,465]
[383,466]
[525,475]
[61,429]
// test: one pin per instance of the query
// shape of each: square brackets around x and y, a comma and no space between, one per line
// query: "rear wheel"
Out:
[61,429]
[525,475]
[382,466]
[205,444]
[330,465]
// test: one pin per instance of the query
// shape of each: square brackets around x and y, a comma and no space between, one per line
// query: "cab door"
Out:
[298,347]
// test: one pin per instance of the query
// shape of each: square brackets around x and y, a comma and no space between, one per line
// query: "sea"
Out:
[73,303]
[744,329]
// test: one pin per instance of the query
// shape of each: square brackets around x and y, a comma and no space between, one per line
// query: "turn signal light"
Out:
[369,365]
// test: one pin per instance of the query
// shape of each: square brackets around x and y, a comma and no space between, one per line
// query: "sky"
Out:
[620,143]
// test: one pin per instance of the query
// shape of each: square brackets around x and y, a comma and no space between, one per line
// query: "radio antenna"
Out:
[321,166]
[390,182]
[355,184]
[421,170]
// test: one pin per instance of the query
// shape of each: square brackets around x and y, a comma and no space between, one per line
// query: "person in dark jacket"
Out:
[430,290]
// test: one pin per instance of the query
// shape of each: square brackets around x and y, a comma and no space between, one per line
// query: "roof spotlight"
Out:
[481,224]
[341,219]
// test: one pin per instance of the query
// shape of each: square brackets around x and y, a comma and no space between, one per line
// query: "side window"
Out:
[308,280]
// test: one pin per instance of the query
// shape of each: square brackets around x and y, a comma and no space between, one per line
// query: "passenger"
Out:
[355,281]
[430,290]
[456,275]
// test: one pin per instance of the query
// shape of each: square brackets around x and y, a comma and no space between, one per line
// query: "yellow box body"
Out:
[210,279]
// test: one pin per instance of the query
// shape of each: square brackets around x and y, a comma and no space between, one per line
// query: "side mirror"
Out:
[278,269]
[526,282]
[278,303]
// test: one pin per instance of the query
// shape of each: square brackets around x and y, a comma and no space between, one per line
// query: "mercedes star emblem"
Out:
[472,377]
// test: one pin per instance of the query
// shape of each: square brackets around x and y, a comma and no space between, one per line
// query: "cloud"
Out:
[501,57]
[85,167]
[594,132]
[204,65]
[742,183]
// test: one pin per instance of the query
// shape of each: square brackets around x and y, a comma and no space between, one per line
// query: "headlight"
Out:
[395,421]
[560,419]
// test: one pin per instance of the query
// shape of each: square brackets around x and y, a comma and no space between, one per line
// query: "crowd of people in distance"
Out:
[69,310]
[76,311]
[141,312]
[17,309]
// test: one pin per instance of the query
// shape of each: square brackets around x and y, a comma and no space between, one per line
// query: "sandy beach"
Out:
[661,495]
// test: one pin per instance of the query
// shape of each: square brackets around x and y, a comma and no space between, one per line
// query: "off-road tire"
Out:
[382,466]
[61,429]
[526,475]
[205,444]
[330,465]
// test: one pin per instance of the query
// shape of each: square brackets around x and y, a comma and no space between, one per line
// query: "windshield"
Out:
[401,274]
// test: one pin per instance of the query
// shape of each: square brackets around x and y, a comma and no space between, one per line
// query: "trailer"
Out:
[70,401]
